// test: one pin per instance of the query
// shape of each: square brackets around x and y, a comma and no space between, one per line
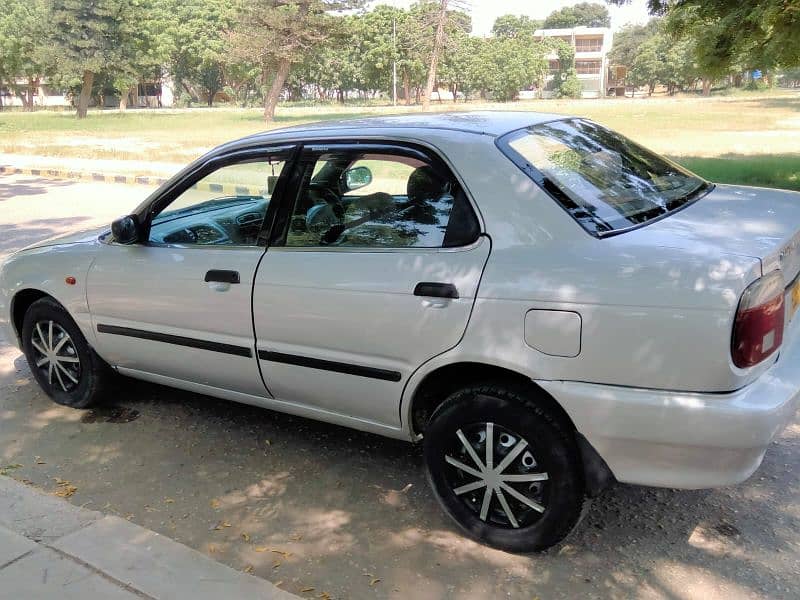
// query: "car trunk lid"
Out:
[744,221]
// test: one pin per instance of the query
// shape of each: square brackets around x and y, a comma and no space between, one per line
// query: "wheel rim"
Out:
[55,355]
[493,471]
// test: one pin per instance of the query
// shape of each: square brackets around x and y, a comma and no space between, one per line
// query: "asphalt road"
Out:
[316,506]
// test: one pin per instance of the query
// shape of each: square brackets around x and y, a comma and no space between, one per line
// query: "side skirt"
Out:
[271,404]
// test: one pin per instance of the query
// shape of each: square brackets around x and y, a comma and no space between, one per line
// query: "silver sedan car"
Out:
[544,304]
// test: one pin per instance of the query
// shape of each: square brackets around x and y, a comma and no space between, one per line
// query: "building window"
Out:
[588,44]
[587,67]
[554,66]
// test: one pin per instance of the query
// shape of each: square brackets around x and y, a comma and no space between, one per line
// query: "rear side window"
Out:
[603,180]
[379,198]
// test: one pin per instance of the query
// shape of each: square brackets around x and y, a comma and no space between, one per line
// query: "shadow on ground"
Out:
[31,187]
[349,513]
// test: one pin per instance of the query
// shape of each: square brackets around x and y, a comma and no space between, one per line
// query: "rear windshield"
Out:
[604,180]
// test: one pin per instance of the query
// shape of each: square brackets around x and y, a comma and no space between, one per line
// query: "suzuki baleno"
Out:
[546,305]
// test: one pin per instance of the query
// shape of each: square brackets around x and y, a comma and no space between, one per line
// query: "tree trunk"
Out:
[86,94]
[407,88]
[271,101]
[706,86]
[32,85]
[438,42]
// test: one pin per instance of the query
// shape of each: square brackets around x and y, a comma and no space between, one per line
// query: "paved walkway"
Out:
[52,549]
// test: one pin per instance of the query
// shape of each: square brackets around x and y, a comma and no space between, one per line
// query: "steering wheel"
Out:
[191,236]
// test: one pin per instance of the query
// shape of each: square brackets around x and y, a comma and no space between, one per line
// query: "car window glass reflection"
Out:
[226,207]
[372,201]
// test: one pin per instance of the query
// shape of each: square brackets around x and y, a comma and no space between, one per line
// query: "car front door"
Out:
[373,268]
[176,307]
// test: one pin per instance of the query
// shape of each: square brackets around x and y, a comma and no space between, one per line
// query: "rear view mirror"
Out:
[126,229]
[355,178]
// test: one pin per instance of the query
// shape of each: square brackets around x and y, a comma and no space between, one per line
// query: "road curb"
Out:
[85,176]
[114,557]
[149,180]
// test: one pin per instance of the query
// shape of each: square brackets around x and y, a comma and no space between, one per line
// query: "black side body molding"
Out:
[176,339]
[329,365]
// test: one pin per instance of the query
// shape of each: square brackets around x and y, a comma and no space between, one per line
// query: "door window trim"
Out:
[152,207]
[318,147]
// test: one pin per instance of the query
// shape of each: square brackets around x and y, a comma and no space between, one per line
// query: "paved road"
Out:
[348,513]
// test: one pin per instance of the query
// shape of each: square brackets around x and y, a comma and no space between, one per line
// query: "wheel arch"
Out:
[437,385]
[20,303]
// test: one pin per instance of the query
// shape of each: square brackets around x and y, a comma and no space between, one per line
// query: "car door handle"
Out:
[222,276]
[436,290]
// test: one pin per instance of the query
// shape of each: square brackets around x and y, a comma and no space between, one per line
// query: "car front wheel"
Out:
[61,360]
[504,468]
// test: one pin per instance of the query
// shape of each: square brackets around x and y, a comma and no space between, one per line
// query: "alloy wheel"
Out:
[55,354]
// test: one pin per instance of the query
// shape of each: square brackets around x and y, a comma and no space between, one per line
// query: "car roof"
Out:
[492,123]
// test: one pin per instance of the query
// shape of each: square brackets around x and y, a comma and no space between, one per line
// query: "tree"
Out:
[629,39]
[585,14]
[443,19]
[755,34]
[654,56]
[567,84]
[22,28]
[504,66]
[513,26]
[196,48]
[276,34]
[88,37]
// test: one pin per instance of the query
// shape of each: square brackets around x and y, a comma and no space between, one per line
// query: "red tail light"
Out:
[758,327]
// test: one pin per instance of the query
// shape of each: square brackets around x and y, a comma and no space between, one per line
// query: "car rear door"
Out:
[359,287]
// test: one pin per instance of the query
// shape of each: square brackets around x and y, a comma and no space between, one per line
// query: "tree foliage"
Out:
[514,26]
[87,37]
[587,14]
[760,34]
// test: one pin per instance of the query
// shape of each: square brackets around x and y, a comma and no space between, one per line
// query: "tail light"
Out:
[758,327]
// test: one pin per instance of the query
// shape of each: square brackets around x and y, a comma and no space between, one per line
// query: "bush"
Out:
[185,100]
[757,85]
[571,86]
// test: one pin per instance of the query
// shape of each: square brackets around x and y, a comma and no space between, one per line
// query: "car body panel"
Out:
[23,271]
[161,290]
[358,308]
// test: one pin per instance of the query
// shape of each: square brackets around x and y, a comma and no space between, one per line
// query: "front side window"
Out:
[375,199]
[225,208]
[604,180]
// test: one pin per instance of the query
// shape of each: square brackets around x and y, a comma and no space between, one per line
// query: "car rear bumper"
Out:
[680,439]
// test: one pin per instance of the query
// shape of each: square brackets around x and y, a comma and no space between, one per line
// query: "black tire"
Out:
[551,449]
[90,374]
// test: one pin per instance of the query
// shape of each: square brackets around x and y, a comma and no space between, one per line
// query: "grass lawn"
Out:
[747,138]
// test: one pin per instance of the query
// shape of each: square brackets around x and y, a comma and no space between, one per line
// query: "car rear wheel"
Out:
[62,362]
[504,468]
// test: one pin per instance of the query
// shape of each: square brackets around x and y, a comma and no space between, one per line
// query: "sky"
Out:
[484,12]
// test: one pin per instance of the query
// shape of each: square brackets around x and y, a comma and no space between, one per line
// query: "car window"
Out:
[226,207]
[378,200]
[604,180]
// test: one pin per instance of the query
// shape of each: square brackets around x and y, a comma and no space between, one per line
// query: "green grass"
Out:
[749,138]
[778,171]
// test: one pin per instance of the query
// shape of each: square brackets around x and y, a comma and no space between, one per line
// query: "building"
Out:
[592,45]
[144,95]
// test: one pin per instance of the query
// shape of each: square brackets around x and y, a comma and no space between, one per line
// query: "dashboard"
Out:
[231,221]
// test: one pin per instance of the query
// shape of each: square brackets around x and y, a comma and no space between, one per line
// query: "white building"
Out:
[592,45]
[146,95]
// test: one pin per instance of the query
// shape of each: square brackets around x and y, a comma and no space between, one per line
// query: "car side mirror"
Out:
[355,178]
[126,229]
